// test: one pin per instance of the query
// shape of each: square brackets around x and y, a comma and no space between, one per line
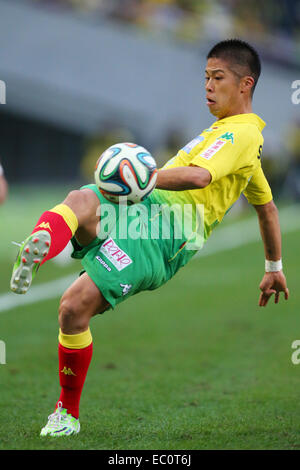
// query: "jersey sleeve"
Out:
[258,191]
[227,154]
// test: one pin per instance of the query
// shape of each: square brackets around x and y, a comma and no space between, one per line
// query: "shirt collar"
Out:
[249,118]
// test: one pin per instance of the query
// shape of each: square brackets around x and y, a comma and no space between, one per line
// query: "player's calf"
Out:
[78,305]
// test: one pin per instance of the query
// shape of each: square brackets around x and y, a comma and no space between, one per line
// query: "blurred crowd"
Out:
[274,24]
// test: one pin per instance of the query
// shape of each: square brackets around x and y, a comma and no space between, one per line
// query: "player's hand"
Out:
[272,283]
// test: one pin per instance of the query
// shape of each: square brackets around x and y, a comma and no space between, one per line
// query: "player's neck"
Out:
[244,108]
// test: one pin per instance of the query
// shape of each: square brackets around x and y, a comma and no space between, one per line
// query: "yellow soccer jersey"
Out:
[231,151]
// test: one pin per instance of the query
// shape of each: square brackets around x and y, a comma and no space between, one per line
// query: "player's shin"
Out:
[61,224]
[75,354]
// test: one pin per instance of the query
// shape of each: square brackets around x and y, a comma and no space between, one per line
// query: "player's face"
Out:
[223,94]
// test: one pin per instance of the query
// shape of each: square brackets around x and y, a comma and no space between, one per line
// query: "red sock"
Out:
[61,223]
[73,367]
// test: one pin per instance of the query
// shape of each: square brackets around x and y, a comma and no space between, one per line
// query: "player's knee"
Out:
[79,304]
[72,315]
[82,204]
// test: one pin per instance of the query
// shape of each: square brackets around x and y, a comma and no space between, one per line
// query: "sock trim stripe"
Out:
[68,216]
[78,341]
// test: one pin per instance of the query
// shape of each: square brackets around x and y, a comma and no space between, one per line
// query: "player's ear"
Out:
[246,84]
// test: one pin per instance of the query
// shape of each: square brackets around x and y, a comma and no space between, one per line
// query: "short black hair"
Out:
[238,52]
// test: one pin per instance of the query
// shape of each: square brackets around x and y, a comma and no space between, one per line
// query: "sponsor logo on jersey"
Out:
[115,255]
[212,149]
[211,129]
[126,288]
[217,145]
[105,265]
[67,371]
[188,147]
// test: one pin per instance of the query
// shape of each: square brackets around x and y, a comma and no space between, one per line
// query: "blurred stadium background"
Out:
[81,75]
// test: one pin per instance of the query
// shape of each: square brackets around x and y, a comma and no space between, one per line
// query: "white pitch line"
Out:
[41,292]
[247,231]
[223,239]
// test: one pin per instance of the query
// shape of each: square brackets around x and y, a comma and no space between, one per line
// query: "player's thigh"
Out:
[81,301]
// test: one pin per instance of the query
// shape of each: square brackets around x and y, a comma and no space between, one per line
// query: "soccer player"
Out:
[212,170]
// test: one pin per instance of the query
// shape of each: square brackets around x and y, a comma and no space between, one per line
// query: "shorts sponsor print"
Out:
[105,265]
[144,269]
[116,256]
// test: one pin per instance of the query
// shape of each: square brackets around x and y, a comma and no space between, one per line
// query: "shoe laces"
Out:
[56,418]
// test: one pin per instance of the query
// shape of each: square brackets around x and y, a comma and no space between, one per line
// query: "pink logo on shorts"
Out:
[116,256]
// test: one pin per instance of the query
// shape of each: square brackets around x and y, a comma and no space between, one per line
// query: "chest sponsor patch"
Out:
[115,255]
[188,147]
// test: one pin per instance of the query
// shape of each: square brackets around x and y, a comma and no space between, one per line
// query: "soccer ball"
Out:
[126,171]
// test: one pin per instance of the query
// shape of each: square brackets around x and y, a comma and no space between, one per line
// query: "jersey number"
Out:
[259,151]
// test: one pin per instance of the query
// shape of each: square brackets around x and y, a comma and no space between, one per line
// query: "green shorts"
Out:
[122,265]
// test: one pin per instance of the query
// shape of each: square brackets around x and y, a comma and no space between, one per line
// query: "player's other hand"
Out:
[272,283]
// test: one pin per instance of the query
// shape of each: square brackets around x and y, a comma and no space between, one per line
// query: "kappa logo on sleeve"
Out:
[115,255]
[228,136]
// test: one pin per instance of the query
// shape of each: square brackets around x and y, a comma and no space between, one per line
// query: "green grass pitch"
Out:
[194,365]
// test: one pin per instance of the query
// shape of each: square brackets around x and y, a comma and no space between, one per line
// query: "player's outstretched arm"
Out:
[274,280]
[183,178]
